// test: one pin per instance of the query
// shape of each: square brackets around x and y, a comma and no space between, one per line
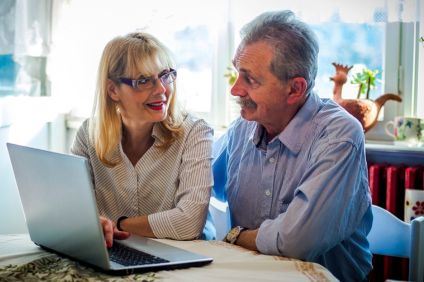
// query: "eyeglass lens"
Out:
[165,78]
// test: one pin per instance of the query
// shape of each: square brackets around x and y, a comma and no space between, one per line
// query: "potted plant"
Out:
[366,79]
[364,110]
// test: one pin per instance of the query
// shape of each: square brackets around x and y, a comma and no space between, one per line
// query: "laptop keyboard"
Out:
[128,256]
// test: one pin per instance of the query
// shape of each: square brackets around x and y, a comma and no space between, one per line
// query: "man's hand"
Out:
[247,239]
[110,231]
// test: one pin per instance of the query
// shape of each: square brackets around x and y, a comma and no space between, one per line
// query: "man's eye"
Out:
[249,80]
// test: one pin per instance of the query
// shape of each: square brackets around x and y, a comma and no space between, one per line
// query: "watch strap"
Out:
[119,221]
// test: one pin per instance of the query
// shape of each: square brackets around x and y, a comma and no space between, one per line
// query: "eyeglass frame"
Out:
[134,82]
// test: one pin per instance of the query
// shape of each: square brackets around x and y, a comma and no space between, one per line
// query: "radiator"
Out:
[398,189]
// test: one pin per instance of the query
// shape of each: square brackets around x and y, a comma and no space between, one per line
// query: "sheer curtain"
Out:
[24,46]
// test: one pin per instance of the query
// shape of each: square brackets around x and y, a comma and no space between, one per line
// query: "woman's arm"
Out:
[187,219]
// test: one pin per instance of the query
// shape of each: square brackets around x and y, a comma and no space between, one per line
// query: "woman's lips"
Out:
[157,106]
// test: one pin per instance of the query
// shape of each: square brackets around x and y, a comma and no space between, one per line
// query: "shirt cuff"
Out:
[161,225]
[267,238]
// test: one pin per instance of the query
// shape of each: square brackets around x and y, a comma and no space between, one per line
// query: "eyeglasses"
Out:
[145,83]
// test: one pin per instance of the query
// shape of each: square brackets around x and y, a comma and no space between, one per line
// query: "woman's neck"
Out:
[136,140]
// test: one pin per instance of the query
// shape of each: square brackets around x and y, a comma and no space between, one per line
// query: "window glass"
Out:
[347,34]
[202,36]
[189,33]
[355,44]
[8,70]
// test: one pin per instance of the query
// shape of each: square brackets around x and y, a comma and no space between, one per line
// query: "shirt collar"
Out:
[295,132]
[258,137]
[157,132]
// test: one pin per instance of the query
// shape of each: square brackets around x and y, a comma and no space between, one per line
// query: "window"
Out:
[190,33]
[359,33]
[24,40]
[203,37]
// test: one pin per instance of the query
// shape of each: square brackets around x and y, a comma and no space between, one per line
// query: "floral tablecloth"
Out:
[21,260]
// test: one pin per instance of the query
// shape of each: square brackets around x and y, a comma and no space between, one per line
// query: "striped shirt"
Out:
[306,190]
[171,186]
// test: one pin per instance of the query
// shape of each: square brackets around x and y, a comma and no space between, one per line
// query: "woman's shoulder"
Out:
[84,127]
[190,121]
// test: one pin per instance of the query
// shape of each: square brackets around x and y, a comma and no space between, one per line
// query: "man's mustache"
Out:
[246,103]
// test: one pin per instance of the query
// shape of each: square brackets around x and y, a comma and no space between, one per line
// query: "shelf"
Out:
[389,152]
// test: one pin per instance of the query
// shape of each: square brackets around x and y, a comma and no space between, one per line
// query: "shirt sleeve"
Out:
[219,168]
[187,219]
[327,207]
[80,144]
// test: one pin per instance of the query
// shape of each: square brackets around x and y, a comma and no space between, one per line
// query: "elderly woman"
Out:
[150,163]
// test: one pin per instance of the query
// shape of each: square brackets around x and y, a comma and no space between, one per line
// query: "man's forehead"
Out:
[252,56]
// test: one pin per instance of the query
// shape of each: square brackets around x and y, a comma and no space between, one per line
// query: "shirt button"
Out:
[272,160]
[268,193]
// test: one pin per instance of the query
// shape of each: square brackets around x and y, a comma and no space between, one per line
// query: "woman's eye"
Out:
[143,81]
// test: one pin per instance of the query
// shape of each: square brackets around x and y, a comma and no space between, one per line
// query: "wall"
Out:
[27,121]
[11,215]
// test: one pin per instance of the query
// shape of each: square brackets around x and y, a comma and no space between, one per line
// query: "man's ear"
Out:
[297,90]
[112,90]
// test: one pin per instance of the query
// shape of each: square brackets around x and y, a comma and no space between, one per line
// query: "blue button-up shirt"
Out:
[306,190]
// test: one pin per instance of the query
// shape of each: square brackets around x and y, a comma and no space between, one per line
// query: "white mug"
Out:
[407,129]
[414,204]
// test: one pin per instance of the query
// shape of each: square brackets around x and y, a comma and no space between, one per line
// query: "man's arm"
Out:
[327,207]
[247,239]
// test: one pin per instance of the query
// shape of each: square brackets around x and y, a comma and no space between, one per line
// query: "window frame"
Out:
[401,75]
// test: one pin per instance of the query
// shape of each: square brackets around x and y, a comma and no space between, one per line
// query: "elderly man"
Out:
[293,167]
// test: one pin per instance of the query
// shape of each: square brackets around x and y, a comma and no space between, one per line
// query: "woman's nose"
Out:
[160,86]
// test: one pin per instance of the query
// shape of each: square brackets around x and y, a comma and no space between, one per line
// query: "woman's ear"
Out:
[112,90]
[297,90]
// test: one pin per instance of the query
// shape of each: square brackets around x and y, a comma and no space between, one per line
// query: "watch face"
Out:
[233,234]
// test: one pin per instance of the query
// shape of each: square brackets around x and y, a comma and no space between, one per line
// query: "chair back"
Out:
[390,236]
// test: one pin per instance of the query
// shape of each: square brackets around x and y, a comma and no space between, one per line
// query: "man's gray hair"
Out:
[295,44]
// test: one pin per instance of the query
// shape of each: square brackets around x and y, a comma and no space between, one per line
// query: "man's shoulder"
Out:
[241,125]
[238,133]
[334,119]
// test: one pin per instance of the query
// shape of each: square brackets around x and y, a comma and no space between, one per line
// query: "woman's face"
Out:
[143,99]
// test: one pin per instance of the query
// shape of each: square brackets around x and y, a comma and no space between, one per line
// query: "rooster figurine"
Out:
[364,110]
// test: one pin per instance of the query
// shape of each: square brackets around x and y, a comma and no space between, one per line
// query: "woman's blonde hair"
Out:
[132,55]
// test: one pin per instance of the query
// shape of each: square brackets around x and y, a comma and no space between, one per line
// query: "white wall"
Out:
[27,121]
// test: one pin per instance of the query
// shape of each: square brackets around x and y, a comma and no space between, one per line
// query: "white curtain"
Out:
[25,32]
[25,27]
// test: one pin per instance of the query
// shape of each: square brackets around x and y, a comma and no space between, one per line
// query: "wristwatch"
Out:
[233,234]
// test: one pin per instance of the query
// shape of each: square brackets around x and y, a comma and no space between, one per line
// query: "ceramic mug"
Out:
[406,129]
[414,204]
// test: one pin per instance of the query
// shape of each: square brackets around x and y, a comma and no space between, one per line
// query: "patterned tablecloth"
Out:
[21,260]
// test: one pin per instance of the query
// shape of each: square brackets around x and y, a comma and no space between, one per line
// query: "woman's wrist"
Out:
[119,222]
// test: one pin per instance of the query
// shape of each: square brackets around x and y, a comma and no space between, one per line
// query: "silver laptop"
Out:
[60,209]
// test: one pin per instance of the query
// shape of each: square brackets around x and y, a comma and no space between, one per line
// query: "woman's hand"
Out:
[111,232]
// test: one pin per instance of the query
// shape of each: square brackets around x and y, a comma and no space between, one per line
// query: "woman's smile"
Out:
[157,105]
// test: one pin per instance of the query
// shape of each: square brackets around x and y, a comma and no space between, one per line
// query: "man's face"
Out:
[262,96]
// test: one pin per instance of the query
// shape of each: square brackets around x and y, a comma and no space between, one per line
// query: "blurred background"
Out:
[50,50]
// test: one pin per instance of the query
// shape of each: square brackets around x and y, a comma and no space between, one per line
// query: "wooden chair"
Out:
[390,236]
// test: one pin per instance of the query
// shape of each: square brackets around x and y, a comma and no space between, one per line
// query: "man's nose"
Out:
[238,89]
